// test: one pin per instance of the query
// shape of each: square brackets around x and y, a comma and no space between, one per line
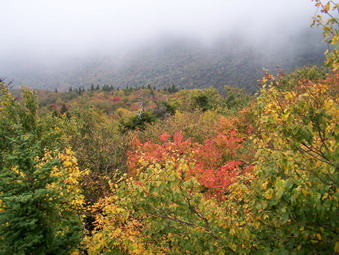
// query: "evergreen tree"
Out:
[138,121]
[172,89]
[34,214]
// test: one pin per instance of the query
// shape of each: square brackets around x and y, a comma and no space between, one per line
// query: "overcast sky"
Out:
[54,28]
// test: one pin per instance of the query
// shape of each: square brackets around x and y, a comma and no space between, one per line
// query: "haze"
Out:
[51,31]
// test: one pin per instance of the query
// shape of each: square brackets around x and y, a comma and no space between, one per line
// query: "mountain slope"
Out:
[185,63]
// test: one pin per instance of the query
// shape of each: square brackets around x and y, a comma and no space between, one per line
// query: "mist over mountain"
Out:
[183,62]
[192,44]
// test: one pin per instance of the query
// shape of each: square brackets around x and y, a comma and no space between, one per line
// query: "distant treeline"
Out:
[171,89]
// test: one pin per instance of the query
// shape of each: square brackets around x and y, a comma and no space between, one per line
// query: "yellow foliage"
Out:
[123,113]
[68,175]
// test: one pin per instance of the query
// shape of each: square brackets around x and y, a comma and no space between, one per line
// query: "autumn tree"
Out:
[93,135]
[172,199]
[290,203]
[327,19]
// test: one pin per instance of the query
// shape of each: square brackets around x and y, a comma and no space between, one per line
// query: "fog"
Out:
[42,32]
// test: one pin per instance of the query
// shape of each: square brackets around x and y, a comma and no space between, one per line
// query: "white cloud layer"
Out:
[62,28]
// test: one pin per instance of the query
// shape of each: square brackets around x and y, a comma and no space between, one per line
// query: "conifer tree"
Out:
[36,217]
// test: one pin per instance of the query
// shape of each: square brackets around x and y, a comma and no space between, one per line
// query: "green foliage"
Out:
[329,23]
[138,121]
[191,100]
[172,203]
[236,98]
[198,194]
[288,205]
[161,213]
[194,172]
[295,198]
[196,125]
[169,108]
[33,217]
[93,135]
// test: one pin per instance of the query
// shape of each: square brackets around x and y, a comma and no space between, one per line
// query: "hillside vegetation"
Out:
[185,63]
[167,171]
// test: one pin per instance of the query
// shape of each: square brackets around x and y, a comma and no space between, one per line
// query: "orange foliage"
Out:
[216,163]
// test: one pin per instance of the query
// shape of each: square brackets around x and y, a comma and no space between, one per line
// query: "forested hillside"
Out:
[183,62]
[147,170]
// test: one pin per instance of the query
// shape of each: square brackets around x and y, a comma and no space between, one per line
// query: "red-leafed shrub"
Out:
[216,163]
[115,99]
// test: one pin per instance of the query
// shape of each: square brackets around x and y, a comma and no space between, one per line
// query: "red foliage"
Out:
[115,99]
[216,163]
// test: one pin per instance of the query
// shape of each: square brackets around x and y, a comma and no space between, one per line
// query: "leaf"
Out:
[336,248]
[327,7]
[284,217]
